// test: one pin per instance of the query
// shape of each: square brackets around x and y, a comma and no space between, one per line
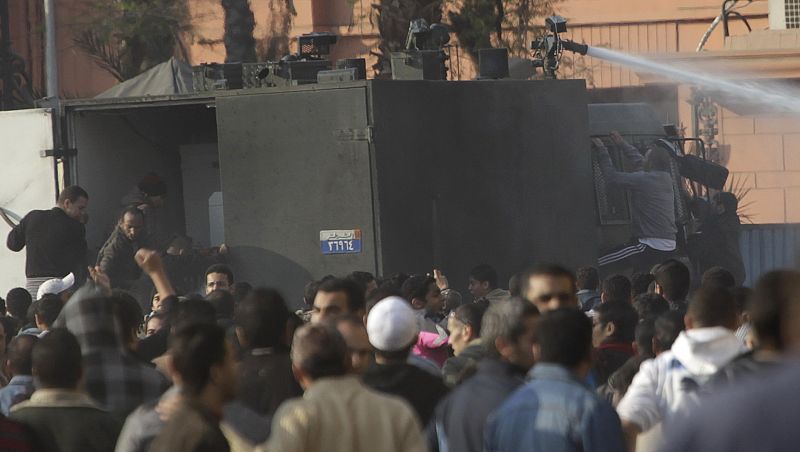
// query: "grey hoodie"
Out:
[652,195]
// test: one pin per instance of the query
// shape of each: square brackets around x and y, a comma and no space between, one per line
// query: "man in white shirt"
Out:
[670,384]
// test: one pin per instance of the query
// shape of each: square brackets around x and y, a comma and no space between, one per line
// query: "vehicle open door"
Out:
[296,184]
[28,180]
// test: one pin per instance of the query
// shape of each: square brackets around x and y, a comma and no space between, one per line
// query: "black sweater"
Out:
[55,243]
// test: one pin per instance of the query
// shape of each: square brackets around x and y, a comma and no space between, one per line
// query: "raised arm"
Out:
[612,176]
[630,153]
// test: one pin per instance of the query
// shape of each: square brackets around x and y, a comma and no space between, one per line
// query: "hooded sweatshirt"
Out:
[670,384]
[116,380]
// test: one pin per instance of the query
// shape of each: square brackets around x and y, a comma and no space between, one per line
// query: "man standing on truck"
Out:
[652,206]
[149,196]
[55,239]
[116,257]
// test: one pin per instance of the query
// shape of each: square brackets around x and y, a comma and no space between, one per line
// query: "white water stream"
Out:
[780,99]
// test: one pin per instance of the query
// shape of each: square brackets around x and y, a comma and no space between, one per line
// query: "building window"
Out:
[792,13]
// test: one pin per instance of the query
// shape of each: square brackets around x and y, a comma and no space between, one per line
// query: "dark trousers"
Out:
[632,258]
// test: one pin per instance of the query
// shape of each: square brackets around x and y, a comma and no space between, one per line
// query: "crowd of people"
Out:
[561,360]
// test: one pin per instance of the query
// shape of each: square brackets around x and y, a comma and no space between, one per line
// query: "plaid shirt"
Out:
[116,380]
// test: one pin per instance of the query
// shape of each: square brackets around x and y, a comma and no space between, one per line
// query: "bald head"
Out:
[20,354]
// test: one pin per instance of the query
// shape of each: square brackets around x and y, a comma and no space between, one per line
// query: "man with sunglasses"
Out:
[550,287]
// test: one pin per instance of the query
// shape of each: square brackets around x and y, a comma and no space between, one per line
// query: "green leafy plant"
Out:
[127,37]
[393,17]
[738,187]
[240,45]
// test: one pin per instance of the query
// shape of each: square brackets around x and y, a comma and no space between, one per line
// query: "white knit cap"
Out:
[392,325]
[55,286]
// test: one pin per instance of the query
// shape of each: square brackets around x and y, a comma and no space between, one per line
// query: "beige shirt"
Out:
[341,414]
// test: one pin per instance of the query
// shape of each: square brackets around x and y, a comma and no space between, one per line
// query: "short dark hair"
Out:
[223,269]
[645,331]
[640,283]
[674,278]
[223,303]
[650,305]
[658,159]
[379,294]
[552,270]
[506,320]
[72,194]
[11,327]
[617,288]
[130,210]
[354,292]
[20,354]
[240,290]
[484,273]
[17,302]
[775,293]
[395,281]
[192,311]
[310,292]
[57,360]
[320,351]
[718,276]
[623,316]
[587,278]
[713,306]
[128,313]
[195,349]
[417,287]
[668,327]
[262,317]
[363,278]
[47,308]
[565,337]
[728,200]
[471,314]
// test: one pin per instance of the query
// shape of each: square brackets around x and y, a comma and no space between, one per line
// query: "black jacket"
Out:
[460,418]
[116,259]
[266,380]
[55,244]
[419,388]
[463,366]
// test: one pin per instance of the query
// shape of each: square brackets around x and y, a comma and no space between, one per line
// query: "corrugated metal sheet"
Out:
[768,247]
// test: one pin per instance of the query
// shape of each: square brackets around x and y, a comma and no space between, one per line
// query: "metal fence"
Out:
[768,247]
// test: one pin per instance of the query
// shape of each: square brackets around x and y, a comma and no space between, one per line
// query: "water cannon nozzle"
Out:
[573,46]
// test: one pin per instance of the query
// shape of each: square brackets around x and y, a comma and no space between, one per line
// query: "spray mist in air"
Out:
[781,99]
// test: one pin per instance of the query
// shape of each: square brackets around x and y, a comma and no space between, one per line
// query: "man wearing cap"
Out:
[62,287]
[54,240]
[393,329]
[149,196]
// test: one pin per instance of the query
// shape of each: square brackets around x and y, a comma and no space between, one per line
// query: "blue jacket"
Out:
[554,412]
[460,418]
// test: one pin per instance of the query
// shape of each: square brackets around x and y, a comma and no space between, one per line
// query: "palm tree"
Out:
[393,17]
[240,45]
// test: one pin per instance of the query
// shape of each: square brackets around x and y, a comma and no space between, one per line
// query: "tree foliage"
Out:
[276,42]
[127,37]
[512,24]
[240,45]
[393,17]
